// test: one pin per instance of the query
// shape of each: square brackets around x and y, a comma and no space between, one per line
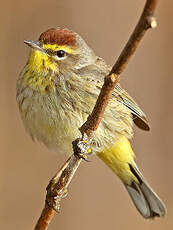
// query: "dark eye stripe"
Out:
[50,52]
[59,53]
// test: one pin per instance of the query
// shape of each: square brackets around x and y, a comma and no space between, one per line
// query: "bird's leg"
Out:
[58,186]
[55,189]
[81,147]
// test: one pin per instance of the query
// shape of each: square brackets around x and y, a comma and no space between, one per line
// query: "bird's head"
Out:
[59,50]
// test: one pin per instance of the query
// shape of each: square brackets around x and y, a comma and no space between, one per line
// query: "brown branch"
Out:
[57,187]
[146,21]
[56,190]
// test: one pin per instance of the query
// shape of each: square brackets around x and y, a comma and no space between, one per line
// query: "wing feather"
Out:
[97,71]
[139,116]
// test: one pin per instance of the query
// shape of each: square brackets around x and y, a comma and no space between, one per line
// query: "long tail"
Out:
[144,198]
[120,159]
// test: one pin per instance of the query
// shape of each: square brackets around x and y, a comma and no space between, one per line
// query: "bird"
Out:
[57,90]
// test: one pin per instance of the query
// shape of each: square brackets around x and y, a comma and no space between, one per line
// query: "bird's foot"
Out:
[55,195]
[81,147]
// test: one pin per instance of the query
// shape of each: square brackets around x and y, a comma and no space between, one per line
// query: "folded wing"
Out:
[139,116]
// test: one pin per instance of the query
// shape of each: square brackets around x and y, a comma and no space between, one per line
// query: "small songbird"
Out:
[57,90]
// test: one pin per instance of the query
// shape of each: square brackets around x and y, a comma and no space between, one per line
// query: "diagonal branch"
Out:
[57,187]
[146,21]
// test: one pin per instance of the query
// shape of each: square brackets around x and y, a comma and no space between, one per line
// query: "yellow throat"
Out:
[39,71]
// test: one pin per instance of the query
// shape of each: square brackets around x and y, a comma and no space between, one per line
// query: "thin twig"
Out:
[57,187]
[146,21]
[56,191]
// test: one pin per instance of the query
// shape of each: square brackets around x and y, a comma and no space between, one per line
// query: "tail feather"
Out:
[144,198]
[120,159]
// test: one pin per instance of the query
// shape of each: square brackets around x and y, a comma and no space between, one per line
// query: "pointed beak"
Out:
[34,44]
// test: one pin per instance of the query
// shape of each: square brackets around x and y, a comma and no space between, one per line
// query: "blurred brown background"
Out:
[97,199]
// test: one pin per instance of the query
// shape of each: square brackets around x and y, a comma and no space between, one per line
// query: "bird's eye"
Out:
[60,53]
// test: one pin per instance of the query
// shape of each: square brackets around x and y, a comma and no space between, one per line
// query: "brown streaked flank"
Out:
[58,36]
